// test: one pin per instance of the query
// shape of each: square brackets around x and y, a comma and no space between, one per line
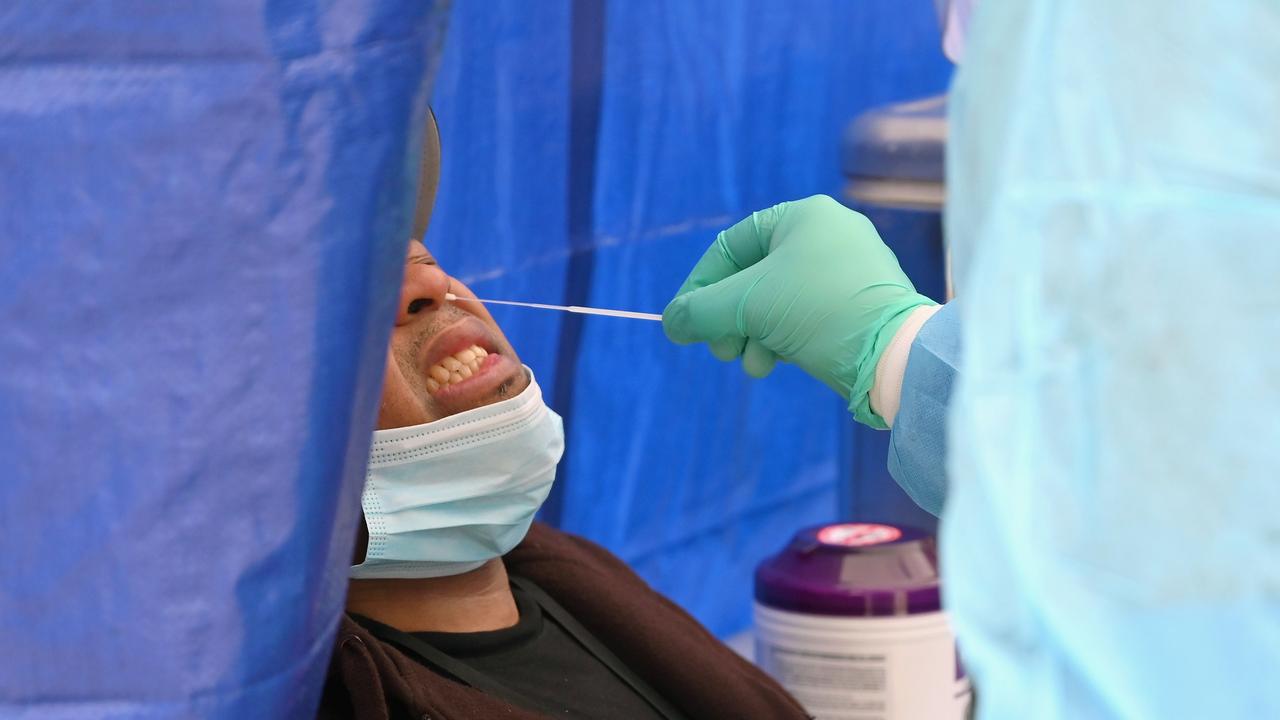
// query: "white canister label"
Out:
[892,668]
[832,687]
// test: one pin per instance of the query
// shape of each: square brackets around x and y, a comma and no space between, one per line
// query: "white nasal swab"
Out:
[564,308]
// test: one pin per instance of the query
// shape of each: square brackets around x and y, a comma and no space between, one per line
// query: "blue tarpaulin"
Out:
[203,210]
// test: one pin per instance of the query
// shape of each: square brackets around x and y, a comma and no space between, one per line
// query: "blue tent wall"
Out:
[202,214]
[203,210]
[591,151]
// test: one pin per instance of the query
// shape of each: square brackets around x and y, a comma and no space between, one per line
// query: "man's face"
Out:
[445,357]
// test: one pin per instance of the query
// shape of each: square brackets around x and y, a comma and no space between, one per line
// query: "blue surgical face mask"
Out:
[444,497]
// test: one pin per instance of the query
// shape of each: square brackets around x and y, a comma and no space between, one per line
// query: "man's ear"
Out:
[362,542]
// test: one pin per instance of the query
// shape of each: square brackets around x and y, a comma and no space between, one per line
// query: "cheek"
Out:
[399,407]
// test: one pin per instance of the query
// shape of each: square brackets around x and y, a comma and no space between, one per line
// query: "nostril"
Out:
[419,305]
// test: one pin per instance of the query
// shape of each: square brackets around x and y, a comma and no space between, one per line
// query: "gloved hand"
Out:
[807,281]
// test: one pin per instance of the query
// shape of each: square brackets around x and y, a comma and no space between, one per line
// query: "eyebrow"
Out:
[423,259]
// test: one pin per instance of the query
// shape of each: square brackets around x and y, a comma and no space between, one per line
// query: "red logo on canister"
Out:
[858,534]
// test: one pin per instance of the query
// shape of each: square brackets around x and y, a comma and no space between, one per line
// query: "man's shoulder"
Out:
[588,579]
[650,633]
[576,570]
[548,546]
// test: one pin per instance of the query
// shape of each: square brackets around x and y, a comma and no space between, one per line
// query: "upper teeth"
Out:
[455,368]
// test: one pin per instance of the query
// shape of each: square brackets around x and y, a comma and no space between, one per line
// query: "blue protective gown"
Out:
[1109,454]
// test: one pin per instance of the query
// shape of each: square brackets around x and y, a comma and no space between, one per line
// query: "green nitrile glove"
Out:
[808,281]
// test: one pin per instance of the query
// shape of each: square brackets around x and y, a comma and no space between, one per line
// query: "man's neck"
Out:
[472,602]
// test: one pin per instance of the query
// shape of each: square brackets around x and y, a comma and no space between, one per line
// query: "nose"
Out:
[422,292]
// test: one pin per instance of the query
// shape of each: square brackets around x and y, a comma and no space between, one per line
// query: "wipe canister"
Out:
[849,619]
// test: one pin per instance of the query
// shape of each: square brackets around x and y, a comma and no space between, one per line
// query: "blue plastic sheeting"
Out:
[591,152]
[202,221]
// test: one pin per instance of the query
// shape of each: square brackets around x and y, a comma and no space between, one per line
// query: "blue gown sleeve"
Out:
[918,442]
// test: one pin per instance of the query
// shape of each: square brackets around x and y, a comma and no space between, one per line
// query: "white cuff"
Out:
[886,390]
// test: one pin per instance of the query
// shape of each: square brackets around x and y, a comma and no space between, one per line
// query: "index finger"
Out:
[739,247]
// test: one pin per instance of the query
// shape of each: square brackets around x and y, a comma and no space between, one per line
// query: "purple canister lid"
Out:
[854,570]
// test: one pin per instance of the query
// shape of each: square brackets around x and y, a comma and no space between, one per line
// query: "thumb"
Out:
[714,311]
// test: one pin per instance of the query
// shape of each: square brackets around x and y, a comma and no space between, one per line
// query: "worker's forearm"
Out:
[917,412]
[886,391]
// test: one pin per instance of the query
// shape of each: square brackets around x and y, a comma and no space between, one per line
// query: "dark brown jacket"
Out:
[657,640]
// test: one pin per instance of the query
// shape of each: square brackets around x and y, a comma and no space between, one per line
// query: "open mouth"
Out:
[465,367]
[454,369]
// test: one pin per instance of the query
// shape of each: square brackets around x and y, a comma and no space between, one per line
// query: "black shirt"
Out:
[538,665]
